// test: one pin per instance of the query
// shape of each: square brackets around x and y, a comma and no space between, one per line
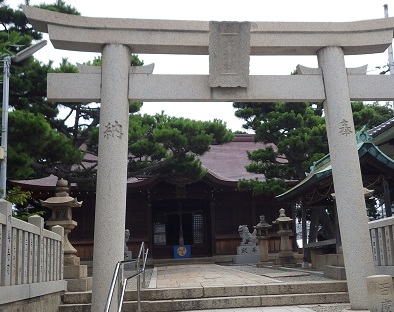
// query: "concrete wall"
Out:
[47,303]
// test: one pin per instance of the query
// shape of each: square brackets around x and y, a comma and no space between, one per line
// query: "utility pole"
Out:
[4,116]
[390,49]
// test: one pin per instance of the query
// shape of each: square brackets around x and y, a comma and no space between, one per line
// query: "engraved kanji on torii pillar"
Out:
[114,85]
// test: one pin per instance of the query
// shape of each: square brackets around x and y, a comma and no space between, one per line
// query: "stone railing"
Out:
[382,242]
[31,257]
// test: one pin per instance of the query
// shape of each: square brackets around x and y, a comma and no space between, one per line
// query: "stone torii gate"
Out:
[229,45]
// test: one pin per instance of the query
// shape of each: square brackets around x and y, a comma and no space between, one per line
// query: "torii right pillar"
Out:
[346,174]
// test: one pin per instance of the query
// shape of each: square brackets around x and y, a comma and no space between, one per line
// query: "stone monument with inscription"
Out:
[380,292]
[229,50]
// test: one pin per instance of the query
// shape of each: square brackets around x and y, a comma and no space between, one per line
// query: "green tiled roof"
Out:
[322,168]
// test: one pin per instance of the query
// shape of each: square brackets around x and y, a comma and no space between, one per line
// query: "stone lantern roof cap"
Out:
[282,217]
[61,201]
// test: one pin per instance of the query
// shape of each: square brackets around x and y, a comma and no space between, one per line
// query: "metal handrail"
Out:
[138,273]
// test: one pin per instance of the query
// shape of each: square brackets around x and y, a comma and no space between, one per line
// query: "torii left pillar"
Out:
[111,189]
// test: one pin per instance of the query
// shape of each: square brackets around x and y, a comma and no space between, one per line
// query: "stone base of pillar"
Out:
[263,264]
[76,275]
[290,261]
[286,254]
[305,265]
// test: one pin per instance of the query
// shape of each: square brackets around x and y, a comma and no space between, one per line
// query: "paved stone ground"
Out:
[319,308]
[218,275]
[182,276]
[212,274]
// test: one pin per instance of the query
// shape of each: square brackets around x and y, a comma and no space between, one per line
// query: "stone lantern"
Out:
[284,232]
[61,205]
[262,236]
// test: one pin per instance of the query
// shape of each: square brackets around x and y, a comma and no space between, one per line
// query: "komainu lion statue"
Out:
[247,237]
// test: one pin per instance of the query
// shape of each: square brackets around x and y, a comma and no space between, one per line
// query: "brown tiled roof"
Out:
[47,183]
[225,163]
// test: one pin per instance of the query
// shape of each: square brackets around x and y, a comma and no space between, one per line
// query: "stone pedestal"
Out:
[247,254]
[263,245]
[128,256]
[286,255]
[76,275]
[262,236]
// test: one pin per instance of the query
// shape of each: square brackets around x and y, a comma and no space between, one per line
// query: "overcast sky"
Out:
[224,10]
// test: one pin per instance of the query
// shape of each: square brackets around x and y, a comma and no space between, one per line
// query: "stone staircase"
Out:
[221,297]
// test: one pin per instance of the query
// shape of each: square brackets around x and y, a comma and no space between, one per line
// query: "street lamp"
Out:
[4,116]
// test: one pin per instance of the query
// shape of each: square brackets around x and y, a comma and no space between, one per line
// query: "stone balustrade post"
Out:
[39,249]
[59,272]
[5,276]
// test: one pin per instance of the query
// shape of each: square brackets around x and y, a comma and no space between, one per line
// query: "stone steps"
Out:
[199,298]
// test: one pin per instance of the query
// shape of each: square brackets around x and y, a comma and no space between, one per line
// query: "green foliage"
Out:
[168,146]
[271,187]
[20,200]
[24,216]
[17,196]
[297,131]
[61,7]
[298,134]
[7,41]
[33,141]
[370,115]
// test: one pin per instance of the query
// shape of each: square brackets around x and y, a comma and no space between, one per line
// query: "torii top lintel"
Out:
[78,33]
